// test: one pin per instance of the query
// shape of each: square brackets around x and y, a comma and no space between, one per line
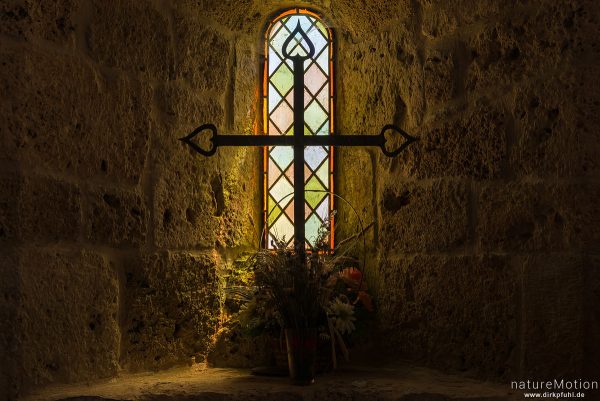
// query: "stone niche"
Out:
[115,239]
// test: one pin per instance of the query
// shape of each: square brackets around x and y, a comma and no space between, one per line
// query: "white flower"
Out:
[342,314]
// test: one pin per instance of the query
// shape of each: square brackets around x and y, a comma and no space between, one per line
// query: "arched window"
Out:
[278,114]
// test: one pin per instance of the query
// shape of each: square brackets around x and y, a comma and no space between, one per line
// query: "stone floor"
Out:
[357,383]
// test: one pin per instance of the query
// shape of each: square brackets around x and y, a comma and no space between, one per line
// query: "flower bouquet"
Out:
[311,297]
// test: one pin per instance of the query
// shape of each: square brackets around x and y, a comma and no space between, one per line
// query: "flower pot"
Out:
[302,355]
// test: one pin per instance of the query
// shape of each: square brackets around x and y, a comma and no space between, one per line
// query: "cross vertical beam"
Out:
[299,154]
[299,143]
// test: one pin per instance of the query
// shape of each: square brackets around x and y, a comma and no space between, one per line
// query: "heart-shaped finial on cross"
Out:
[395,130]
[189,139]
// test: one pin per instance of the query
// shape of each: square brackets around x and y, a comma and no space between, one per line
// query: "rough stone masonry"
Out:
[484,256]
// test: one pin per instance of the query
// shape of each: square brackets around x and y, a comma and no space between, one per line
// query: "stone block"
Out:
[9,352]
[525,44]
[181,111]
[172,309]
[115,217]
[554,125]
[424,217]
[200,201]
[361,19]
[444,18]
[52,20]
[471,144]
[538,217]
[552,316]
[49,211]
[198,206]
[382,82]
[246,89]
[454,312]
[69,119]
[243,16]
[202,54]
[9,203]
[517,217]
[67,327]
[131,36]
[185,205]
[358,205]
[39,209]
[584,20]
[439,77]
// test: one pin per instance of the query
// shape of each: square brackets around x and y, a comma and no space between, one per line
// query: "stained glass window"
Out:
[279,118]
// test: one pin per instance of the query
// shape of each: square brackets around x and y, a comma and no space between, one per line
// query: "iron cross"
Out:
[298,140]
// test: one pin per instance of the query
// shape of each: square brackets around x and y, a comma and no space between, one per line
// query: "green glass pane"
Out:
[322,28]
[323,172]
[314,116]
[314,198]
[283,79]
[290,131]
[283,156]
[307,130]
[273,211]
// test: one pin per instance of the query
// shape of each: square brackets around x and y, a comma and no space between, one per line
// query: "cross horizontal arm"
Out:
[312,140]
[305,140]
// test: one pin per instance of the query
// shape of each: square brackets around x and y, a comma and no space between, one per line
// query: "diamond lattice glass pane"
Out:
[323,209]
[289,210]
[274,60]
[282,191]
[323,98]
[324,130]
[323,61]
[323,172]
[282,116]
[314,116]
[274,98]
[283,79]
[314,79]
[315,192]
[307,131]
[289,173]
[283,228]
[273,172]
[283,156]
[307,97]
[273,211]
[307,173]
[314,156]
[322,28]
[311,228]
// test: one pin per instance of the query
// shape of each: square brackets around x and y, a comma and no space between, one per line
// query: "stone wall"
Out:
[112,232]
[487,233]
[113,235]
